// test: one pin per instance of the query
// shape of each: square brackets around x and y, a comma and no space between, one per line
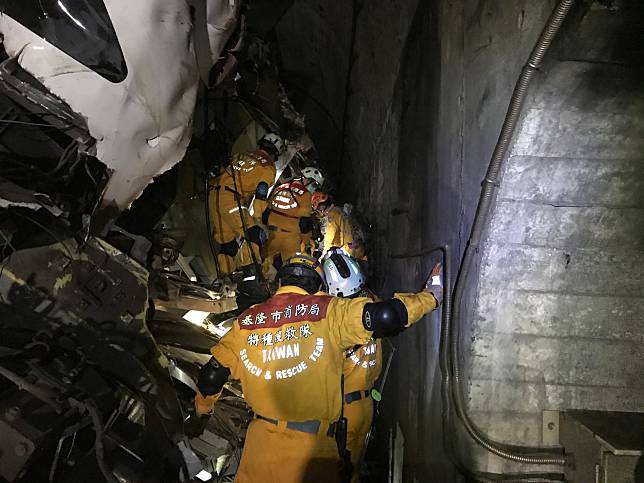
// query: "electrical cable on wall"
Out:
[451,322]
[527,455]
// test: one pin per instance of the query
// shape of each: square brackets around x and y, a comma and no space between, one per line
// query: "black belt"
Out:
[226,188]
[312,426]
[356,396]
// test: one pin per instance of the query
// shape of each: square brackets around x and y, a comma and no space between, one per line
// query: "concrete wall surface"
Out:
[560,296]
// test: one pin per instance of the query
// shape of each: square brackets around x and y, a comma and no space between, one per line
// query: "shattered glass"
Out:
[80,28]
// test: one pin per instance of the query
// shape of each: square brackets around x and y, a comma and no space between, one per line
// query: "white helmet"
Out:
[273,140]
[343,275]
[314,174]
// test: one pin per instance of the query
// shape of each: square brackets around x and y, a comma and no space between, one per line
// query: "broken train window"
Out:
[80,28]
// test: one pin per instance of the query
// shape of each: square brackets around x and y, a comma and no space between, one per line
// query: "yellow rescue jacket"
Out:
[250,169]
[362,366]
[337,230]
[288,352]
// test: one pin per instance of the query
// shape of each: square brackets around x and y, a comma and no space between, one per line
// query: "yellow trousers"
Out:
[279,455]
[227,226]
[284,237]
[359,415]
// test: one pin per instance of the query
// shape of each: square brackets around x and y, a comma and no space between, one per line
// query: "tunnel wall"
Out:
[560,297]
[424,115]
[429,86]
[314,38]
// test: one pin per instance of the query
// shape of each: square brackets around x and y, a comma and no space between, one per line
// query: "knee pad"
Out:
[229,248]
[212,377]
[385,318]
[256,234]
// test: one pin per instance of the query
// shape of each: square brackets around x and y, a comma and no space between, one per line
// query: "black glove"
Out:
[306,224]
[194,426]
[229,248]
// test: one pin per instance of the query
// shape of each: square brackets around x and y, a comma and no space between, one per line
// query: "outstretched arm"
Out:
[358,319]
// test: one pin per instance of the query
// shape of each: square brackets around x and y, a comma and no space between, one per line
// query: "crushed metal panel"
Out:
[142,125]
[117,340]
[187,296]
[99,283]
[203,305]
[12,195]
[215,22]
[32,97]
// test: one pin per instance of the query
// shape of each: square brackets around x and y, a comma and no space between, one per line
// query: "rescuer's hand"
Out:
[204,404]
[434,284]
[195,425]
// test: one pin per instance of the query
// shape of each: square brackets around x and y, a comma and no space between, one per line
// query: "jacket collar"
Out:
[291,289]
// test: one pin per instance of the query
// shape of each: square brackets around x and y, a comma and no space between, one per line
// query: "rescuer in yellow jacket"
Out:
[249,174]
[289,220]
[288,353]
[362,363]
[337,229]
[289,215]
[362,367]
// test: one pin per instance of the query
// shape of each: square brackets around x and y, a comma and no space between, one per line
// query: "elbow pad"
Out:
[212,377]
[261,192]
[385,318]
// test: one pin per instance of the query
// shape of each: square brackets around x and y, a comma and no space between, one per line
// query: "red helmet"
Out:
[319,198]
